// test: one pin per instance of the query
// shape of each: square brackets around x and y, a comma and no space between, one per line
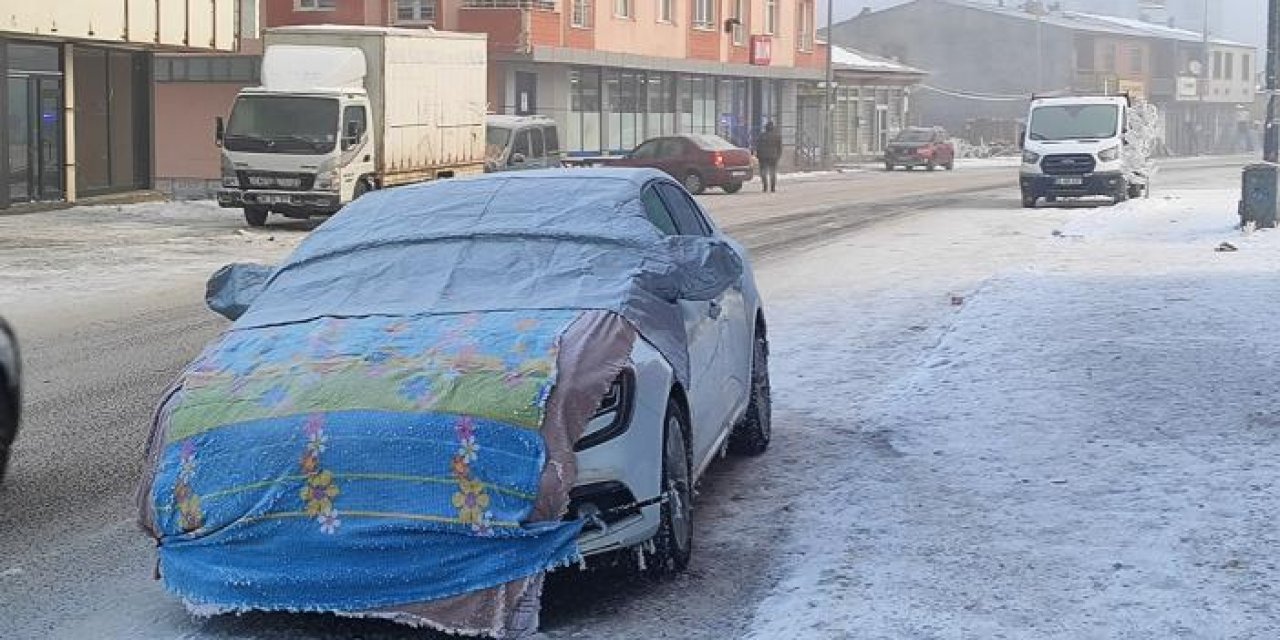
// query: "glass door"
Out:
[19,179]
[34,138]
[48,138]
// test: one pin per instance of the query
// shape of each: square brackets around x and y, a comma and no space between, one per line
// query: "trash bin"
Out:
[1260,195]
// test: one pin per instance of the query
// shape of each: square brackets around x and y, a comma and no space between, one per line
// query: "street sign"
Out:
[1188,88]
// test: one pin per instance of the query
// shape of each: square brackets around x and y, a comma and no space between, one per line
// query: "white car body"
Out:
[1059,162]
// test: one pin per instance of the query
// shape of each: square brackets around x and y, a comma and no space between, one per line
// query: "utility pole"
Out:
[828,91]
[1271,143]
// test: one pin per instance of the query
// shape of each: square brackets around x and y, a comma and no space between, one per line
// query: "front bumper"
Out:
[286,202]
[908,160]
[1102,183]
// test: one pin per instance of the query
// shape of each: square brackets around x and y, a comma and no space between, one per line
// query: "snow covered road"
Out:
[989,423]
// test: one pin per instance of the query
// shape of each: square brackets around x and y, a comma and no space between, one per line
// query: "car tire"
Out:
[673,544]
[950,165]
[732,187]
[8,426]
[888,166]
[931,166]
[256,216]
[751,436]
[1028,200]
[693,183]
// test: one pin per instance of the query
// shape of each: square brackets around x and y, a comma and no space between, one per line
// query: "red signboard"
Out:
[761,50]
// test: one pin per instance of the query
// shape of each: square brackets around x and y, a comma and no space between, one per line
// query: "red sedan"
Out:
[920,147]
[697,161]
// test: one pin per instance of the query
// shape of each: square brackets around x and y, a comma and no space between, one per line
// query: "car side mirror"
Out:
[517,158]
[705,267]
[219,130]
[233,288]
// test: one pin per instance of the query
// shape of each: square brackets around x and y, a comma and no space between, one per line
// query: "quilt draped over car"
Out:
[388,429]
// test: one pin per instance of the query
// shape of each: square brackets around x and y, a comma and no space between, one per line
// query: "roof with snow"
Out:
[1090,23]
[852,60]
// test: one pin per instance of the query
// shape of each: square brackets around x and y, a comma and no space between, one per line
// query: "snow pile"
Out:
[1087,445]
[1143,134]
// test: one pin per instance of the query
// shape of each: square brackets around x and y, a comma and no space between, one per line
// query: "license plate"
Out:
[1069,182]
[739,174]
[264,181]
[273,199]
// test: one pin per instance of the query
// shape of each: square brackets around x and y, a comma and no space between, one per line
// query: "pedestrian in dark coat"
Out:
[768,151]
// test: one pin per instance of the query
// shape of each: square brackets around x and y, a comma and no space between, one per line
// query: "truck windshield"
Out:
[1074,122]
[279,124]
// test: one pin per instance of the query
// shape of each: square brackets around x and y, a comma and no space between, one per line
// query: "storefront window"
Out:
[32,138]
[583,130]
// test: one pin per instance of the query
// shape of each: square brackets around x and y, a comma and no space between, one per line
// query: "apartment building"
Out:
[77,99]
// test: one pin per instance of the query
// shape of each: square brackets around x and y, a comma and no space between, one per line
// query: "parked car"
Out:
[928,147]
[516,143]
[10,392]
[697,161]
[454,385]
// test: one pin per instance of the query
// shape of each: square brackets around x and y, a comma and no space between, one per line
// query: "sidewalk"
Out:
[1059,424]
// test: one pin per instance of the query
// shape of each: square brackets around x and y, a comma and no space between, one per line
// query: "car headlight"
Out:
[1030,157]
[612,418]
[229,176]
[1109,155]
[327,180]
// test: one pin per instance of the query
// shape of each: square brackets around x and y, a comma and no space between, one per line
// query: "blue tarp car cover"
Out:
[561,239]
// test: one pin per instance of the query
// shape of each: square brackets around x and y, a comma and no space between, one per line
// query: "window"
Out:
[315,5]
[665,10]
[416,11]
[353,117]
[581,14]
[647,150]
[804,29]
[657,212]
[770,17]
[237,69]
[684,210]
[704,14]
[1135,60]
[536,147]
[1246,73]
[553,140]
[1228,68]
[1109,58]
[522,145]
[739,23]
[1086,52]
[622,8]
[1217,65]
[671,148]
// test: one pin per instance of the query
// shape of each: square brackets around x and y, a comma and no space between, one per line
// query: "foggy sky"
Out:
[1241,20]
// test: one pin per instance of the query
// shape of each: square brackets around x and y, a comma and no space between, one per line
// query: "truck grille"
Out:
[274,180]
[1068,164]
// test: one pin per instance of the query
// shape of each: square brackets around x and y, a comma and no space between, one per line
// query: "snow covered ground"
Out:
[1053,424]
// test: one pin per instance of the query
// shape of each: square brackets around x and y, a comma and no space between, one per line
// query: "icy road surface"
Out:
[989,423]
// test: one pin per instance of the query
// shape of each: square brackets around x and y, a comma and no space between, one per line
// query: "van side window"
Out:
[553,141]
[536,145]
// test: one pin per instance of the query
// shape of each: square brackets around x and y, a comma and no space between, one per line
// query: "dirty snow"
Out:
[1075,422]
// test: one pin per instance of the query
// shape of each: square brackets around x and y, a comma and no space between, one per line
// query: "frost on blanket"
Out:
[361,464]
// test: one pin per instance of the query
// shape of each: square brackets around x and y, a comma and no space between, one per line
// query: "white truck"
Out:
[345,110]
[1079,146]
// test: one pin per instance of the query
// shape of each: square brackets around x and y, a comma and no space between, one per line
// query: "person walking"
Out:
[768,151]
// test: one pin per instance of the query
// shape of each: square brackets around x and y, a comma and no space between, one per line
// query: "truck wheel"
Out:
[362,187]
[256,216]
[673,543]
[1028,200]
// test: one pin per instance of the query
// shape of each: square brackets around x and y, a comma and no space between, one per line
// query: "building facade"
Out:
[615,72]
[991,59]
[77,100]
[871,101]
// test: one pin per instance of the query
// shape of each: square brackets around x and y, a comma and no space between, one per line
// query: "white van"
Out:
[1075,146]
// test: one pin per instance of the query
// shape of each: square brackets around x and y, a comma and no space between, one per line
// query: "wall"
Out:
[642,34]
[282,13]
[186,158]
[195,24]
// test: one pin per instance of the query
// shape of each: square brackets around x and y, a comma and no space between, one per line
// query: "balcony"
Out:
[514,26]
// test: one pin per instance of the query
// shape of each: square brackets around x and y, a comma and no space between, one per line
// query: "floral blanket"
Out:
[347,465]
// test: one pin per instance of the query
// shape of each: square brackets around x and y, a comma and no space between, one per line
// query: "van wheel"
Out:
[256,216]
[751,436]
[674,541]
[693,183]
[1121,194]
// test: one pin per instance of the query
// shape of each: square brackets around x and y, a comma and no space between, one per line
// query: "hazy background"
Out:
[1240,20]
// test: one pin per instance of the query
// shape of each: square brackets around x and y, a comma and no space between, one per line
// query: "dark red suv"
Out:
[697,161]
[927,147]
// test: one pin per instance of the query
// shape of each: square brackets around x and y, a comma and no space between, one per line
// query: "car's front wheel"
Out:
[693,183]
[750,437]
[673,544]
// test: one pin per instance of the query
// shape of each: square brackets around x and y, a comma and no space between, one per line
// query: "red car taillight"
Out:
[717,159]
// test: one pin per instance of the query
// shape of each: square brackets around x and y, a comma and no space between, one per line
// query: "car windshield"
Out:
[1074,122]
[914,135]
[279,124]
[495,142]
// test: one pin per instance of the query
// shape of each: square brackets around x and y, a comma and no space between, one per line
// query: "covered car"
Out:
[450,389]
[10,392]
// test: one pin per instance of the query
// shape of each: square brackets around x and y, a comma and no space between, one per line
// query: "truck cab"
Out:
[1074,146]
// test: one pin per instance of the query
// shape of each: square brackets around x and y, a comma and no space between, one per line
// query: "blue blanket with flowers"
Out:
[352,464]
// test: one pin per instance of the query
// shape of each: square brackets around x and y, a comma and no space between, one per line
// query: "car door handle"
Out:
[713,310]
